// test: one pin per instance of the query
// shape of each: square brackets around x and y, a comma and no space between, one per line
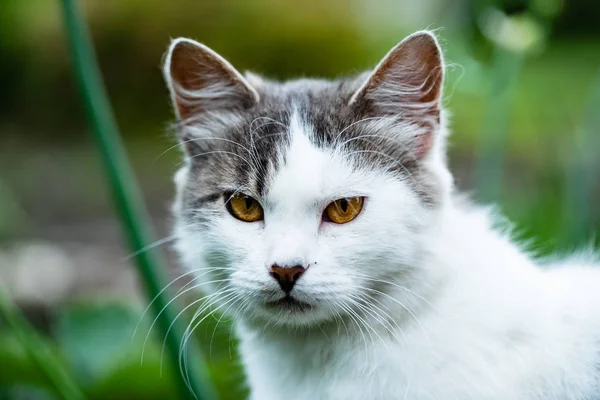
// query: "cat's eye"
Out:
[244,208]
[344,210]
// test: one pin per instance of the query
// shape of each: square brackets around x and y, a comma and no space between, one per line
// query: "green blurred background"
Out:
[523,87]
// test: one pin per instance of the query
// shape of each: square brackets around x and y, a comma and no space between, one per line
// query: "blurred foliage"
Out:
[94,341]
[544,134]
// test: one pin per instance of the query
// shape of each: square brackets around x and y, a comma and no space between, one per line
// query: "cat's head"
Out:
[301,201]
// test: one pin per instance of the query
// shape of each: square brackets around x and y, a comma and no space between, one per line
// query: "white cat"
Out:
[322,215]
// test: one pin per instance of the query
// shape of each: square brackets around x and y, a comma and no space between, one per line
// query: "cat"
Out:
[322,216]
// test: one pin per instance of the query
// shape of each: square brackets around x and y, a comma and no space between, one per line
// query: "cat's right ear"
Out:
[200,80]
[408,83]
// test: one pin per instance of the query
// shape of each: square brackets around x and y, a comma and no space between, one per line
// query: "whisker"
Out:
[353,124]
[167,306]
[214,152]
[196,314]
[384,321]
[273,121]
[183,355]
[219,321]
[210,296]
[151,246]
[189,332]
[239,315]
[394,161]
[367,325]
[407,309]
[163,290]
[155,297]
[345,307]
[197,139]
[398,286]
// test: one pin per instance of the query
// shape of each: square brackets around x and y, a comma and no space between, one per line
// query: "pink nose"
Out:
[287,276]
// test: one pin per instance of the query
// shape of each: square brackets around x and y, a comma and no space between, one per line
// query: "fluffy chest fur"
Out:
[463,364]
[504,330]
[322,216]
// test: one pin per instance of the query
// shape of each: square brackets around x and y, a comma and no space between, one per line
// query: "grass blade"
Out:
[127,198]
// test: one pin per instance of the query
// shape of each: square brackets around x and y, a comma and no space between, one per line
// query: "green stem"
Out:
[127,197]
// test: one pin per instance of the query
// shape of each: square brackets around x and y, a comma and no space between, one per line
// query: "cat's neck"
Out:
[470,240]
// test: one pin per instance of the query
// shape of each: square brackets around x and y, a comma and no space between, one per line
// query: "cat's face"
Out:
[299,201]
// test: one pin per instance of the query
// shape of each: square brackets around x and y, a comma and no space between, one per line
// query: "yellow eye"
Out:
[344,210]
[244,208]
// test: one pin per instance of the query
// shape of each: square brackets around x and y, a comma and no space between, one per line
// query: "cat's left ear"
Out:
[407,83]
[201,81]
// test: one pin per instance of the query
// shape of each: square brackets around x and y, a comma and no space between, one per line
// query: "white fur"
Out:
[498,327]
[467,315]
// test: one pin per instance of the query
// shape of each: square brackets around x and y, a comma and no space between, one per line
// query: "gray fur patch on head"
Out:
[240,144]
[243,149]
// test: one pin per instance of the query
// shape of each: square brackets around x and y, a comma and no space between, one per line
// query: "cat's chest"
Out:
[370,369]
[311,371]
[423,369]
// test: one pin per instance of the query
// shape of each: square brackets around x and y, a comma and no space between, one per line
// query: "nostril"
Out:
[275,275]
[297,275]
[287,276]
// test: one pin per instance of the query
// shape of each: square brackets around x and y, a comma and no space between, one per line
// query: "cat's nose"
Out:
[287,276]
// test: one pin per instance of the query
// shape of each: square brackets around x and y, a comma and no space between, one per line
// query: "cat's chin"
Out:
[290,311]
[289,305]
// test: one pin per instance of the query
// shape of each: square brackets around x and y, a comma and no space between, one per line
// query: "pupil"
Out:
[344,205]
[248,202]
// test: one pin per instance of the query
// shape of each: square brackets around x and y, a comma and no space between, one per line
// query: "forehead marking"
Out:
[304,168]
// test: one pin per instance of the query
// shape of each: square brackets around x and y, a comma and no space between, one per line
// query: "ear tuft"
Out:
[408,81]
[200,80]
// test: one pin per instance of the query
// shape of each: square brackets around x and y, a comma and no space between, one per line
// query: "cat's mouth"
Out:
[289,304]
